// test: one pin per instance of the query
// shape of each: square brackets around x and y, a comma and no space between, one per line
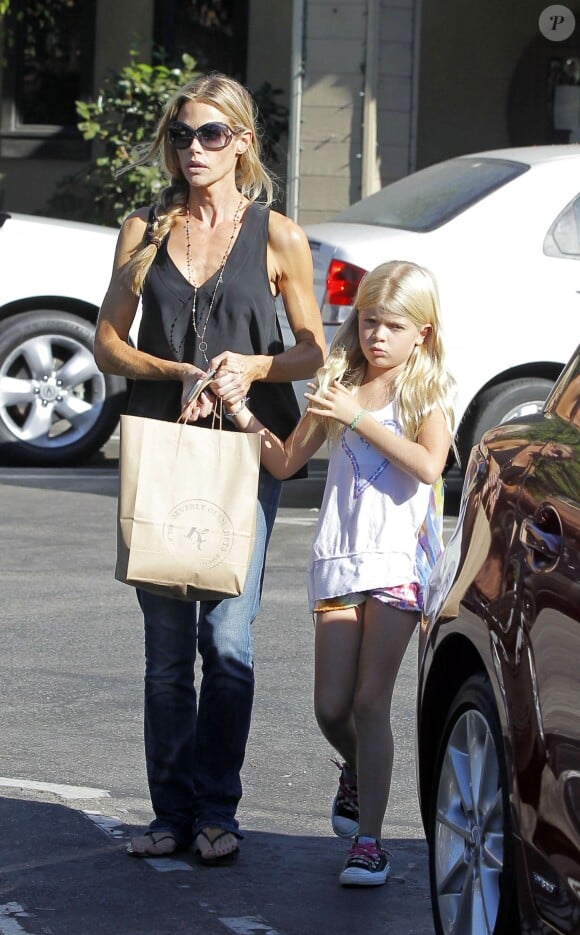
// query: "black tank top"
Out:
[243,320]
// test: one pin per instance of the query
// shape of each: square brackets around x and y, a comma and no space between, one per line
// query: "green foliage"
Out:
[33,14]
[123,118]
[43,13]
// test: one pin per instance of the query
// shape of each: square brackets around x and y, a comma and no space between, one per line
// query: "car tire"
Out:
[56,407]
[500,404]
[471,865]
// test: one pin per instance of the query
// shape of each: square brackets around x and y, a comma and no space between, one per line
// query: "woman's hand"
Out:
[339,403]
[198,408]
[233,378]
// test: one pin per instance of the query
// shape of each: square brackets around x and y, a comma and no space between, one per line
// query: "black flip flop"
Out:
[164,836]
[217,859]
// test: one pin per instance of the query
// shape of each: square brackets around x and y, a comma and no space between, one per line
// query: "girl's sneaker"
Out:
[367,864]
[345,806]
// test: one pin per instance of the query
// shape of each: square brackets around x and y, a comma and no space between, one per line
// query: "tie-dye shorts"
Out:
[402,596]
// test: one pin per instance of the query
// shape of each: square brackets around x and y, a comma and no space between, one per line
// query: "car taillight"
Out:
[342,281]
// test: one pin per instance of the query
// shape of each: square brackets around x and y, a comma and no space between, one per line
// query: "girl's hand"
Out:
[339,403]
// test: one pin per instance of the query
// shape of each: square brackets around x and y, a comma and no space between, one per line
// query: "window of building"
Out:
[214,32]
[49,55]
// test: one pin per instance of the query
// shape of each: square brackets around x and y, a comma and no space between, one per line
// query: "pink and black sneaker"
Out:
[367,864]
[344,816]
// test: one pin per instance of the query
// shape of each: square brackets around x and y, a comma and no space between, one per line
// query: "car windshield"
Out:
[429,198]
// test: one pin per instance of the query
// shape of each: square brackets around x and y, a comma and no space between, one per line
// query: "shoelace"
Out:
[346,791]
[368,850]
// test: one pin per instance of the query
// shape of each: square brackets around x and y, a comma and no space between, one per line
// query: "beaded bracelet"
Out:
[356,419]
[241,406]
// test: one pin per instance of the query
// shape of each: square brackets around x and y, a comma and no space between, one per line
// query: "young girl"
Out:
[383,399]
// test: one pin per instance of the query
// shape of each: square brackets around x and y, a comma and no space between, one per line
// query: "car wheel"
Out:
[56,407]
[500,404]
[470,851]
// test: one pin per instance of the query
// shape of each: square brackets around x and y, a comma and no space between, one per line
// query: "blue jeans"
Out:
[195,748]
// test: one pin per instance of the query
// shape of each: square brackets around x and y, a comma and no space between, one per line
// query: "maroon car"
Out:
[498,729]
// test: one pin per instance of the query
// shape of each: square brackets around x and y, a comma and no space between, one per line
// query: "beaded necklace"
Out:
[200,335]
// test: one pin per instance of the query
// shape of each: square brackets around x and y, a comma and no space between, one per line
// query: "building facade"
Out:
[375,88]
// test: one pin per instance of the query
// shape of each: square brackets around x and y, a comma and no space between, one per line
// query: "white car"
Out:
[501,232]
[56,407]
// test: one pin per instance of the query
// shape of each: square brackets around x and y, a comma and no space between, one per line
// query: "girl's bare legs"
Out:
[386,632]
[336,653]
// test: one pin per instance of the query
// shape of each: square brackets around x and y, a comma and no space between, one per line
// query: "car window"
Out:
[427,199]
[563,238]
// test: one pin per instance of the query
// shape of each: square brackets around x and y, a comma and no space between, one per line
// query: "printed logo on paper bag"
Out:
[199,527]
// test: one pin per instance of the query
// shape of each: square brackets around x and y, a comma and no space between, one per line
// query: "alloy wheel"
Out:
[469,829]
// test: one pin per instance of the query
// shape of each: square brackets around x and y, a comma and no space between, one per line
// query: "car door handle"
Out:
[544,548]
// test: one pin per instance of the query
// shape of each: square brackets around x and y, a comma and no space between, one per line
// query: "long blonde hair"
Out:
[406,289]
[252,177]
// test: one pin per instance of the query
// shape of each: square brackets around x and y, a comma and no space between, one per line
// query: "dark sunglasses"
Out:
[210,135]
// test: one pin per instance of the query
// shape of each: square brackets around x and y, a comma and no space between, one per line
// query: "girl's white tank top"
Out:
[369,521]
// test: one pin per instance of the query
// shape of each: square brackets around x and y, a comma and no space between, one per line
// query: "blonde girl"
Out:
[384,400]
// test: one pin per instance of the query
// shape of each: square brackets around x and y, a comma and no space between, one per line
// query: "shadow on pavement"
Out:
[61,874]
[101,478]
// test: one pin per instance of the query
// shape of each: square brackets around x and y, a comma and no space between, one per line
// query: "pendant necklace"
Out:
[200,334]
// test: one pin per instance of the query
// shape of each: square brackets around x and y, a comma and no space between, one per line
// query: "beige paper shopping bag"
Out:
[187,508]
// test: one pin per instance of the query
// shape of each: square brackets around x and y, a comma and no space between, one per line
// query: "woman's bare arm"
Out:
[290,271]
[112,351]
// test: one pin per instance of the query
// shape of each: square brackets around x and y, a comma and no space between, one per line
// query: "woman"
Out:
[207,263]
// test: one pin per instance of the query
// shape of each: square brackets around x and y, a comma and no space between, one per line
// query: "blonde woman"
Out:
[207,262]
[384,399]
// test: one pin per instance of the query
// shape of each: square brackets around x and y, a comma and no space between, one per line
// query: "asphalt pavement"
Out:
[72,781]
